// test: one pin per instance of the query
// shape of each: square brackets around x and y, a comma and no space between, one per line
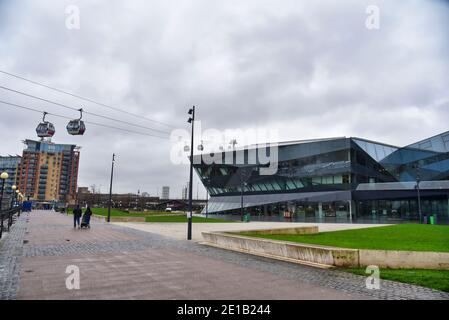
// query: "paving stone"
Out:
[11,257]
[117,262]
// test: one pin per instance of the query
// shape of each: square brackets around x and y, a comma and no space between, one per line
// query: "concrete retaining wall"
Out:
[297,230]
[404,259]
[320,255]
[325,256]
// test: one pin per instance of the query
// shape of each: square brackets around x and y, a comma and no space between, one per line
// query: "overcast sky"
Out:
[308,69]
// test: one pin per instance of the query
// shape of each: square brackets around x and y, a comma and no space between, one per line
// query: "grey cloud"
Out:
[309,68]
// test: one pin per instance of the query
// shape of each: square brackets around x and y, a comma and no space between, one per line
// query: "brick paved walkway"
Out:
[122,263]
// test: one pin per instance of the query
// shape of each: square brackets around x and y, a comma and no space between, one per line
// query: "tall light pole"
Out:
[207,202]
[242,186]
[15,192]
[3,177]
[13,195]
[418,180]
[206,185]
[19,203]
[110,188]
[190,216]
[244,176]
[197,191]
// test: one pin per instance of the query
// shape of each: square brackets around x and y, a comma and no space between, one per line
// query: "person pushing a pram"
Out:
[85,222]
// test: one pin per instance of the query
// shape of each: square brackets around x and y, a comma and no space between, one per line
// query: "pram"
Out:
[85,221]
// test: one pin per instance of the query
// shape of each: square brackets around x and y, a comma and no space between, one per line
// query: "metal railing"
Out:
[8,217]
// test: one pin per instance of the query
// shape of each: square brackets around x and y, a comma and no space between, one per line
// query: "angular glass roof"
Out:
[377,151]
[438,143]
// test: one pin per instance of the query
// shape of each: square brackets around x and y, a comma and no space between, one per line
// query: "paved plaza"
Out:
[178,230]
[118,262]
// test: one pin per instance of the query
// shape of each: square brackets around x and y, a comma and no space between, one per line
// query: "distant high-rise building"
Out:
[83,190]
[49,171]
[165,193]
[10,165]
[185,192]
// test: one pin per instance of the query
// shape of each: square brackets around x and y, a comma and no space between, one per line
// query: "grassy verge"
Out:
[183,218]
[119,213]
[408,237]
[154,216]
[435,279]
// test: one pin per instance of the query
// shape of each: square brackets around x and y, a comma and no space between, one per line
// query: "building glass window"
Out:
[328,180]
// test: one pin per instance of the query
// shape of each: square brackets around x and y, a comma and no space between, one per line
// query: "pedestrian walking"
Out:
[85,222]
[77,213]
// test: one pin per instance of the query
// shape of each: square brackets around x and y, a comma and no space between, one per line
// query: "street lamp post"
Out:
[242,186]
[3,177]
[189,218]
[110,188]
[207,184]
[418,180]
[13,195]
[207,202]
[17,197]
[19,202]
[244,176]
[419,200]
[13,198]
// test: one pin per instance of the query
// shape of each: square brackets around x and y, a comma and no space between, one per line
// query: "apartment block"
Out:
[49,171]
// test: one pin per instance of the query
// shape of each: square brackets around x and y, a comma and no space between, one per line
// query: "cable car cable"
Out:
[77,109]
[90,122]
[86,99]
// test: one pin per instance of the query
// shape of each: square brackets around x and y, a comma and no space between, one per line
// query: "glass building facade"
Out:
[334,180]
[9,164]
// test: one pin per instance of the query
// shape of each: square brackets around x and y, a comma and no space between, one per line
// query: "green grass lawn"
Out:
[408,237]
[435,279]
[155,216]
[183,218]
[120,213]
